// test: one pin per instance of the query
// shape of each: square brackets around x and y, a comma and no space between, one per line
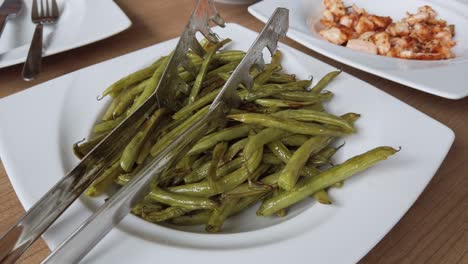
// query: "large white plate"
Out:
[81,22]
[41,124]
[446,78]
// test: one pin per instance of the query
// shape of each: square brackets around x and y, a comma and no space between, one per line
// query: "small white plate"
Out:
[44,121]
[446,78]
[81,22]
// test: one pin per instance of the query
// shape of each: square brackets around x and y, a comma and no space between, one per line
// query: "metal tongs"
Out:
[15,241]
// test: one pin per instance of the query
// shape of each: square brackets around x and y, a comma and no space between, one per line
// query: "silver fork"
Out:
[40,17]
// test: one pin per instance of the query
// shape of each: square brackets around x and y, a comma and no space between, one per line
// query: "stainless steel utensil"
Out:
[40,16]
[84,238]
[41,215]
[9,9]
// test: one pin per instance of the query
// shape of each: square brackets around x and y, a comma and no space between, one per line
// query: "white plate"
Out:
[446,78]
[44,121]
[81,22]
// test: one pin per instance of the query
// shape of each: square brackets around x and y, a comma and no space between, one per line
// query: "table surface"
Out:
[434,230]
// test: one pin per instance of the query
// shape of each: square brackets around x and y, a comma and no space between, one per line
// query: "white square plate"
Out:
[81,22]
[446,78]
[41,123]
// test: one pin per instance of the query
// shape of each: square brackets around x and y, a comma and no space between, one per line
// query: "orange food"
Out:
[419,36]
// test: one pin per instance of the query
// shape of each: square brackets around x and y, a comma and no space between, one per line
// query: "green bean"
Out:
[339,184]
[102,183]
[131,151]
[294,140]
[219,214]
[199,218]
[269,69]
[144,152]
[167,139]
[325,179]
[150,86]
[323,157]
[107,126]
[200,162]
[235,148]
[128,97]
[223,69]
[133,78]
[164,215]
[218,153]
[226,134]
[290,173]
[226,183]
[316,107]
[123,179]
[82,149]
[316,116]
[318,88]
[272,89]
[305,96]
[145,208]
[283,103]
[180,200]
[268,183]
[259,140]
[202,172]
[322,197]
[282,78]
[282,212]
[203,70]
[108,115]
[292,126]
[269,158]
[201,102]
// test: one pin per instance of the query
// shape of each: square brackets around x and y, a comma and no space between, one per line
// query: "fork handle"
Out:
[32,66]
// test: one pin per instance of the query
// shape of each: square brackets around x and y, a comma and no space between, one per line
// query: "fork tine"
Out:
[55,12]
[47,10]
[34,14]
[42,9]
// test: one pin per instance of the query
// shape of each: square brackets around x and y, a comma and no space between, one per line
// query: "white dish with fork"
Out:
[81,23]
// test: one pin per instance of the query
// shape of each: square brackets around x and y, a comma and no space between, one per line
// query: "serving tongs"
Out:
[57,200]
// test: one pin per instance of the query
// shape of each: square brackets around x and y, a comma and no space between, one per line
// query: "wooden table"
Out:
[434,230]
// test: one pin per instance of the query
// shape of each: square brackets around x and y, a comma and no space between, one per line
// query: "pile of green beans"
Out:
[276,148]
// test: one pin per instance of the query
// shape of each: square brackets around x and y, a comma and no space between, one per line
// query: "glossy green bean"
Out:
[192,107]
[82,149]
[292,126]
[223,69]
[102,183]
[294,140]
[131,151]
[145,208]
[226,183]
[325,179]
[204,69]
[304,96]
[282,78]
[226,134]
[107,126]
[180,200]
[198,218]
[133,78]
[290,173]
[150,86]
[128,97]
[218,153]
[322,197]
[257,141]
[167,138]
[282,103]
[275,64]
[165,214]
[202,172]
[235,148]
[272,89]
[318,88]
[316,116]
[219,214]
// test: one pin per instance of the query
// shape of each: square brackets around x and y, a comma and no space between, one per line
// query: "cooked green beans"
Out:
[325,179]
[274,146]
